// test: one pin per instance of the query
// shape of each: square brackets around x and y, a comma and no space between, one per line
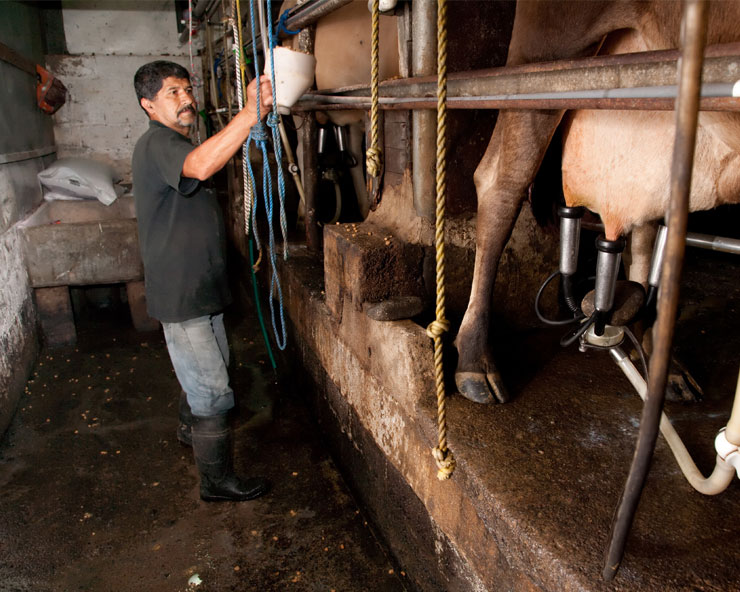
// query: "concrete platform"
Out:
[77,243]
[537,480]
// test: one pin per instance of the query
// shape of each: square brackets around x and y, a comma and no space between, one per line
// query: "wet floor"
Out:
[97,494]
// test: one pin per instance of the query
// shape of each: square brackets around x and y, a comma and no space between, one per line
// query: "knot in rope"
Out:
[437,328]
[259,132]
[445,463]
[374,161]
[273,120]
[282,27]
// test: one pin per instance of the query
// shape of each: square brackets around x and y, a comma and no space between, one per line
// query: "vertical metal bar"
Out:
[309,140]
[423,122]
[404,41]
[693,39]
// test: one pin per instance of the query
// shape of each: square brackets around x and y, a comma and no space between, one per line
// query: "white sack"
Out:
[79,178]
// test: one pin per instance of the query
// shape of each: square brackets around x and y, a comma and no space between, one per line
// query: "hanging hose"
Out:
[442,455]
[694,26]
[259,307]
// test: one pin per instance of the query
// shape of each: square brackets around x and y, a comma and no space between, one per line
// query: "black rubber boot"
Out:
[184,428]
[212,450]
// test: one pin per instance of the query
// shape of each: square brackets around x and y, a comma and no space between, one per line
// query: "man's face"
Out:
[174,105]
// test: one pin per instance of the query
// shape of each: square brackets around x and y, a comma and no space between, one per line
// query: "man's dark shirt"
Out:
[181,231]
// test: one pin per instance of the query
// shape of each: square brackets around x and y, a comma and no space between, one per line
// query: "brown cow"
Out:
[616,164]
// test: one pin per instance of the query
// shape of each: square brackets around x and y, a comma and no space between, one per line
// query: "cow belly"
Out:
[343,47]
[618,163]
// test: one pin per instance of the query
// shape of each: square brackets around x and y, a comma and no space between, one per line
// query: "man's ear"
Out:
[146,104]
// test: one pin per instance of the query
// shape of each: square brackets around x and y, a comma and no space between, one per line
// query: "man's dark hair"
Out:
[149,78]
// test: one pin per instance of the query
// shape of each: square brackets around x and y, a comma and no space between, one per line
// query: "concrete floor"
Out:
[96,493]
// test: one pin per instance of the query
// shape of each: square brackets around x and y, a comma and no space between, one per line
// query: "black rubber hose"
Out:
[540,316]
[569,296]
[569,340]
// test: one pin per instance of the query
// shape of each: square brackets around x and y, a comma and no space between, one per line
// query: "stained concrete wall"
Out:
[26,146]
[107,42]
[94,47]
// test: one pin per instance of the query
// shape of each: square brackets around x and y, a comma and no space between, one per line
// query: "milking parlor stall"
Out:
[496,430]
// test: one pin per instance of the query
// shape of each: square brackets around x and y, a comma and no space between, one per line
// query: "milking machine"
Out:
[335,159]
[602,319]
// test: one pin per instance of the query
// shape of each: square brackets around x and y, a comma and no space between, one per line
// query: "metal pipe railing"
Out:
[320,102]
[644,80]
[713,243]
[301,16]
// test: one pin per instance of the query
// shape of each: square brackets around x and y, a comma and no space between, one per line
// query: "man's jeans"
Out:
[200,355]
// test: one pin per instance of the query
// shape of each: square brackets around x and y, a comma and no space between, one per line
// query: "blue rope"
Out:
[259,135]
[282,27]
[273,120]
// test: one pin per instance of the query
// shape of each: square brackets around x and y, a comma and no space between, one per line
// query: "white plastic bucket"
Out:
[294,73]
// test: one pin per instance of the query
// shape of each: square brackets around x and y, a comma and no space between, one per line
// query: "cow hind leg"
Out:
[680,386]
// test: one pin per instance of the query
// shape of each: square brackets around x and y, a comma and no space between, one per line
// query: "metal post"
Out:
[309,141]
[423,122]
[693,35]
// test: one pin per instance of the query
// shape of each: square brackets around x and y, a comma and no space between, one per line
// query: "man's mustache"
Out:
[187,108]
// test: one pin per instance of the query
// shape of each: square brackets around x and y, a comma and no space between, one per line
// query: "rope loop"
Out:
[258,133]
[445,463]
[437,328]
[282,27]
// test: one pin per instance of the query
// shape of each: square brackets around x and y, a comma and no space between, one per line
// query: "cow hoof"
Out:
[681,386]
[481,388]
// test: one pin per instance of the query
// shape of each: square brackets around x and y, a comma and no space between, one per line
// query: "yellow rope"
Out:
[241,57]
[374,155]
[442,455]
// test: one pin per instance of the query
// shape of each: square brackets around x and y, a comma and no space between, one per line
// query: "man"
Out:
[182,240]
